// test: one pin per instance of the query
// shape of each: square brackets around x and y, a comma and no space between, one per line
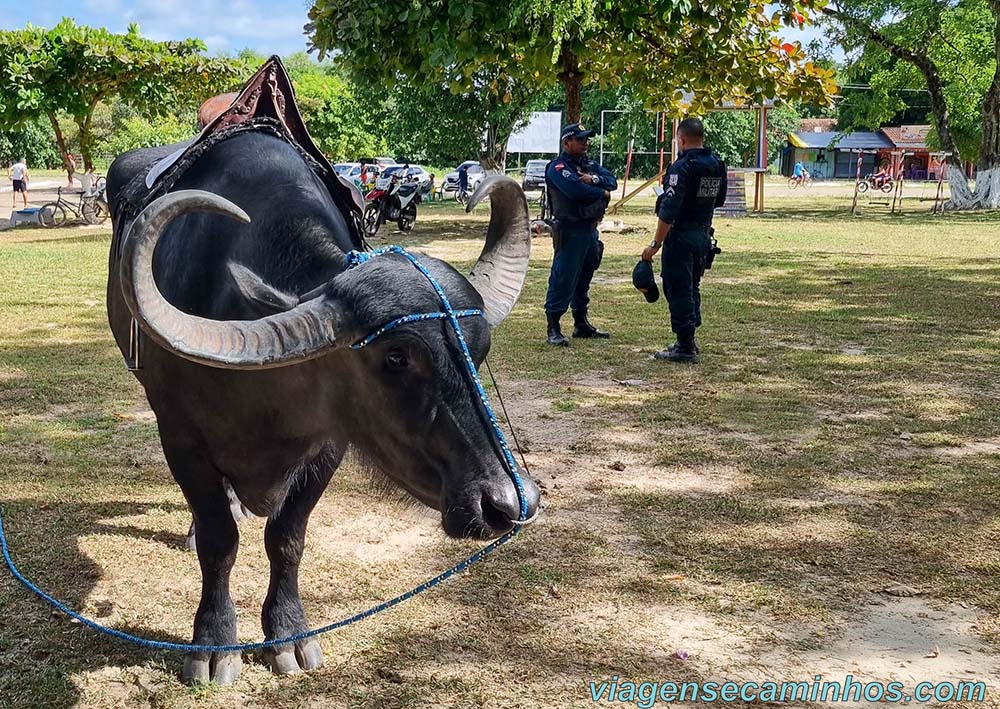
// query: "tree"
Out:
[732,134]
[724,51]
[951,49]
[434,124]
[133,131]
[33,141]
[335,118]
[71,69]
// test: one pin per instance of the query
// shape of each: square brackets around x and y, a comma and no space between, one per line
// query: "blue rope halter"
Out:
[447,313]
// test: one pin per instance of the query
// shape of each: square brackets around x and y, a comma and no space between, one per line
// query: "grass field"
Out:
[840,437]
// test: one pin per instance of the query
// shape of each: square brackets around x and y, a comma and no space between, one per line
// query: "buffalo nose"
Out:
[501,506]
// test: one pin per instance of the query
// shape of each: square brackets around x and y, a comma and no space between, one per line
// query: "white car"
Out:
[352,171]
[476,175]
[412,171]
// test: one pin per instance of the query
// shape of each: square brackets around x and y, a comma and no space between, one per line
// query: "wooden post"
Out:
[756,176]
[897,165]
[628,166]
[942,167]
[758,199]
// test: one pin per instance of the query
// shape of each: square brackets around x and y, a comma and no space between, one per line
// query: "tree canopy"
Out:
[948,49]
[727,50]
[72,68]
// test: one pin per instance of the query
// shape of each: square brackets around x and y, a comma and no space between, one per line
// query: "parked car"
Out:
[476,175]
[416,172]
[384,161]
[352,172]
[534,175]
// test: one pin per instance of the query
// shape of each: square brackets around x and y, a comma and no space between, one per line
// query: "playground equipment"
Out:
[736,203]
[897,160]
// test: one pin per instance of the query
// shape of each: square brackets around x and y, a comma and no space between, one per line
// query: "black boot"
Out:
[583,328]
[684,350]
[555,333]
[676,344]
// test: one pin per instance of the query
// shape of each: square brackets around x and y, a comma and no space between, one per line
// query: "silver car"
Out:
[476,175]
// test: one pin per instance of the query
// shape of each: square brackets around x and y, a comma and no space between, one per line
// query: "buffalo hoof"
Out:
[221,668]
[304,656]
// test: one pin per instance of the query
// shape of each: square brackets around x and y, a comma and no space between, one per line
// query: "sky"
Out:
[266,26]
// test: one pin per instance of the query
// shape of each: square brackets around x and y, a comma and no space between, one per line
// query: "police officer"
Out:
[694,186]
[578,191]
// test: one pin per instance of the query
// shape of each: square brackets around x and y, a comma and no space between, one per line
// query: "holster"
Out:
[713,251]
[597,255]
[557,235]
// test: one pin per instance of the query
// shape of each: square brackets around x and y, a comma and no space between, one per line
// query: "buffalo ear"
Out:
[265,299]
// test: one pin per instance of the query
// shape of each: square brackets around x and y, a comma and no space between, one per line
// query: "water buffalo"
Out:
[239,282]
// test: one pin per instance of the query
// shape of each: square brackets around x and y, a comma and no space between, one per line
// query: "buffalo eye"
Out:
[397,359]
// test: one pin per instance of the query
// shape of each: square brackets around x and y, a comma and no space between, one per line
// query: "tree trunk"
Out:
[939,108]
[60,141]
[961,196]
[86,138]
[988,176]
[987,192]
[571,80]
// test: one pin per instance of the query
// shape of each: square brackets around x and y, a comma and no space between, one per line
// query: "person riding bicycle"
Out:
[800,173]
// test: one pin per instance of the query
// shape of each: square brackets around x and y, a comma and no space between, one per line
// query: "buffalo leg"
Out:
[284,538]
[240,513]
[218,541]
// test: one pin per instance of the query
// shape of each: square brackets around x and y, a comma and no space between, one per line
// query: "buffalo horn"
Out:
[304,332]
[499,273]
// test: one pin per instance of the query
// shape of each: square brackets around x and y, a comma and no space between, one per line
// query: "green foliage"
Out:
[71,69]
[299,64]
[727,50]
[958,40]
[432,124]
[335,118]
[33,141]
[733,134]
[137,132]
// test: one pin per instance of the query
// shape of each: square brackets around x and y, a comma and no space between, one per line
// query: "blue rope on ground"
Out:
[354,258]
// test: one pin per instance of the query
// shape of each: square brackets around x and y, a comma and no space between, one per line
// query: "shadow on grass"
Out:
[43,542]
[67,236]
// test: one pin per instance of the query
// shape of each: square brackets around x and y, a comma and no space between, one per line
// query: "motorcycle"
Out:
[393,199]
[875,183]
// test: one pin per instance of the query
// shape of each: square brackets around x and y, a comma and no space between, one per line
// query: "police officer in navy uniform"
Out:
[694,186]
[579,191]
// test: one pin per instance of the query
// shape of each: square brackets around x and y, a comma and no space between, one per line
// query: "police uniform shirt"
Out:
[693,187]
[563,174]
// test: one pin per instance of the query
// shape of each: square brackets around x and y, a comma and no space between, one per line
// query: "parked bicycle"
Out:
[91,208]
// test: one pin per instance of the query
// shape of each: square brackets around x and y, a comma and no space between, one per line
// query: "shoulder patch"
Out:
[567,173]
[673,180]
[560,165]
